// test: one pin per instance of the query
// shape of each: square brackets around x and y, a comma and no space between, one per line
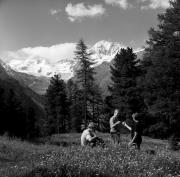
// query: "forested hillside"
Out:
[21,112]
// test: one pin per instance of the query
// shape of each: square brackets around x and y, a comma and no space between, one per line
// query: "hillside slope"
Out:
[27,97]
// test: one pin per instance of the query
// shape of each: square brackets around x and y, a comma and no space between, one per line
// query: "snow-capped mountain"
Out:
[7,68]
[32,65]
[35,71]
[38,84]
[38,66]
[105,51]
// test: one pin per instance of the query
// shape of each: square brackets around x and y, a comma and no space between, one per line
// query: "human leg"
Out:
[136,143]
[115,137]
[118,138]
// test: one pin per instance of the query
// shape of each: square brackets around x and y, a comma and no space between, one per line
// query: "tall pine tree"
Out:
[57,106]
[95,104]
[85,74]
[16,121]
[75,104]
[162,68]
[125,94]
[3,122]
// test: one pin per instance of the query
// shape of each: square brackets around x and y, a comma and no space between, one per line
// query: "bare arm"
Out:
[127,126]
[91,137]
[118,122]
[135,135]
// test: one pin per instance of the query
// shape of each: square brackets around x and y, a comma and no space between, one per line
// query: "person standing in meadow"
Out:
[89,138]
[136,132]
[114,127]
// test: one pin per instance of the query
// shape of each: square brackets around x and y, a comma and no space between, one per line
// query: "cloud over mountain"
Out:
[79,11]
[53,53]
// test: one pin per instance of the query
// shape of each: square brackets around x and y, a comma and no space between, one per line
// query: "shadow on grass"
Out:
[64,143]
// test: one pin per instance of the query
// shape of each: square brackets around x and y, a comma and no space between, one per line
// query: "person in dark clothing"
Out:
[136,132]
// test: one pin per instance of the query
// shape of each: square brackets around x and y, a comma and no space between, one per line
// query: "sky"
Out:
[51,27]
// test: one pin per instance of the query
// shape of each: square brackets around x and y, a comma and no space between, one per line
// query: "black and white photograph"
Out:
[89,88]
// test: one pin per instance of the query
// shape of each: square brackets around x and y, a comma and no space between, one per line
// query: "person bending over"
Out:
[89,138]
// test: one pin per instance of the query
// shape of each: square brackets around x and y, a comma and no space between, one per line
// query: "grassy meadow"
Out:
[62,156]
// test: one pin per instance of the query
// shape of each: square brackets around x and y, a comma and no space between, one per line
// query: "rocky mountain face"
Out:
[104,51]
[35,72]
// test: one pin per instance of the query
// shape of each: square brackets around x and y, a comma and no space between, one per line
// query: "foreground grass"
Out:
[62,156]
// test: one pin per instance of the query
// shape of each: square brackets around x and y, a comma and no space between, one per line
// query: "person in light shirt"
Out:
[89,138]
[115,127]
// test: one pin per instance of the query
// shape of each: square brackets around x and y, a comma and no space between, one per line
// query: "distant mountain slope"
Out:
[8,84]
[15,81]
[36,83]
[31,103]
[28,99]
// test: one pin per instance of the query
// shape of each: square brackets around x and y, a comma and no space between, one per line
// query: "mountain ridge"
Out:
[35,72]
[40,66]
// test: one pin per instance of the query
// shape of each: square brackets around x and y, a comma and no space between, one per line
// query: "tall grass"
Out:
[72,160]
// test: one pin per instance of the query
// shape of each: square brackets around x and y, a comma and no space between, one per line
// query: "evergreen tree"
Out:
[106,112]
[2,111]
[75,101]
[16,119]
[124,89]
[31,123]
[95,104]
[85,74]
[57,107]
[161,64]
